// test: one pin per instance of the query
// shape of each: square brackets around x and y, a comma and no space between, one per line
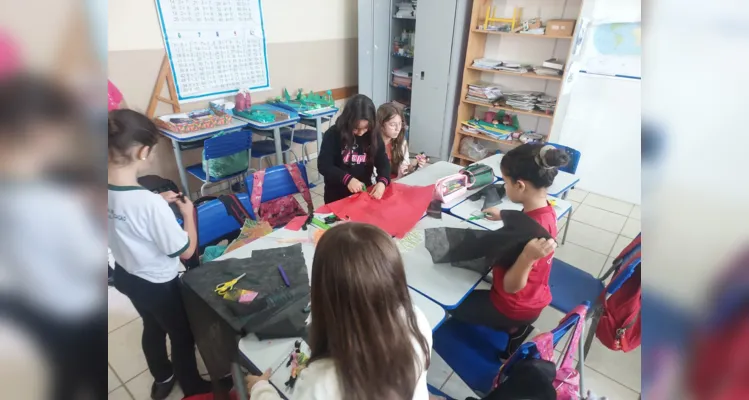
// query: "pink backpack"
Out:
[567,381]
[280,211]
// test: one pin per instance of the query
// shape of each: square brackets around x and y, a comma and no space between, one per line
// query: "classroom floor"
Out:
[600,228]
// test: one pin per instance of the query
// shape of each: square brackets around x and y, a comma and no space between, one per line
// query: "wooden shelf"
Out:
[534,113]
[520,34]
[489,138]
[524,75]
[462,157]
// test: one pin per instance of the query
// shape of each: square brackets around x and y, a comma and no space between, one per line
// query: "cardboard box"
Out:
[560,27]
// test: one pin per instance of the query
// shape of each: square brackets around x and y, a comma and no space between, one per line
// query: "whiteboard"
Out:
[603,122]
[215,47]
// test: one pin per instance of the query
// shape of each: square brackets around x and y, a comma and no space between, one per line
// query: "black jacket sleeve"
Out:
[382,162]
[330,151]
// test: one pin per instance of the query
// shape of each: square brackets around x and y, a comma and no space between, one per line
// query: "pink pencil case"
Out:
[450,187]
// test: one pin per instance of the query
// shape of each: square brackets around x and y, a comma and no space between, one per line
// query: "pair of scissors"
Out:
[222,288]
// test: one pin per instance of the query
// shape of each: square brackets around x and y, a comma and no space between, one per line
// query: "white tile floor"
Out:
[599,229]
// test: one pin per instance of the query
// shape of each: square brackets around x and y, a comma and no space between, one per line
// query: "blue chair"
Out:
[215,224]
[277,183]
[301,137]
[264,149]
[571,167]
[217,147]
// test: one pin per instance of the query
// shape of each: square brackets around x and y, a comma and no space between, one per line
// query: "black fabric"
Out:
[157,184]
[492,194]
[161,309]
[478,309]
[479,250]
[234,208]
[277,311]
[333,168]
[529,379]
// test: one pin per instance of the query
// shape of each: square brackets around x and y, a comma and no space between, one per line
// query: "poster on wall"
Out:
[215,47]
[614,49]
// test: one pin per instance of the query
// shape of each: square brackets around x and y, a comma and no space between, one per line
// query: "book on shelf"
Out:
[486,63]
[484,91]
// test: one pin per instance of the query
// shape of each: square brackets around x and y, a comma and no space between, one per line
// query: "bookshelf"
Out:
[517,47]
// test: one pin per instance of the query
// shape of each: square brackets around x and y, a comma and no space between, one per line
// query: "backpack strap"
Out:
[256,194]
[301,185]
[235,208]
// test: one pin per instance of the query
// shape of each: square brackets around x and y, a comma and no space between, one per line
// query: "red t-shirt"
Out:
[529,301]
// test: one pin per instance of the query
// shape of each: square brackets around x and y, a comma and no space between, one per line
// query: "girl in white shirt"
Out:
[392,127]
[367,339]
[147,243]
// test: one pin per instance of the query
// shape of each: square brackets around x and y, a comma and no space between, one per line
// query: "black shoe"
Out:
[516,339]
[200,387]
[160,391]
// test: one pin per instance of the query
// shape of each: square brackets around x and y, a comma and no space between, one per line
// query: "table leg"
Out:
[277,142]
[180,168]
[318,128]
[567,225]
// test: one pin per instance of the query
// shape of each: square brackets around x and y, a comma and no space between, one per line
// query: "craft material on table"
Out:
[480,250]
[275,311]
[222,288]
[410,241]
[251,230]
[400,208]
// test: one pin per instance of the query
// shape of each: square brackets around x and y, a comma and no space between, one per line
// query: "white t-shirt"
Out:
[144,235]
[319,381]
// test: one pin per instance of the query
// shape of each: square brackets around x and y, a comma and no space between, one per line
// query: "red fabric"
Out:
[209,396]
[400,208]
[296,223]
[529,301]
[720,363]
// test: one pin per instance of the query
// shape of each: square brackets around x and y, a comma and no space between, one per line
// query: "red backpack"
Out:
[620,326]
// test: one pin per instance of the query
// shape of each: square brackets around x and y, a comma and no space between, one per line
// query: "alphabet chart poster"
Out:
[215,47]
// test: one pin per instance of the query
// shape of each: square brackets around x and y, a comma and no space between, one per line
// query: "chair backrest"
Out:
[278,183]
[226,145]
[571,167]
[215,223]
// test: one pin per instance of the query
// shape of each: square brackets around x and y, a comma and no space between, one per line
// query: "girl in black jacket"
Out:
[350,151]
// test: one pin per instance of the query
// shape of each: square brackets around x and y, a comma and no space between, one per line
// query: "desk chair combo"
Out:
[263,149]
[217,147]
[305,136]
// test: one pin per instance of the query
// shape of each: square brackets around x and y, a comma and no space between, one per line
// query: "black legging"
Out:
[160,306]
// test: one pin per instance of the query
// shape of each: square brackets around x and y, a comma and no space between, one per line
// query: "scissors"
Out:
[222,288]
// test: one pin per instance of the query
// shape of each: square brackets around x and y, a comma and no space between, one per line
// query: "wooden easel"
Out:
[165,76]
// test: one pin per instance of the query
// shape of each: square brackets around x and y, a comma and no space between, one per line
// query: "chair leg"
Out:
[202,188]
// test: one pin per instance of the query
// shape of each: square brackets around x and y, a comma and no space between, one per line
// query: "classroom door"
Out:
[435,22]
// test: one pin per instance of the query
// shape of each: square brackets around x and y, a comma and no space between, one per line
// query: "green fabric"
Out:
[225,166]
[213,252]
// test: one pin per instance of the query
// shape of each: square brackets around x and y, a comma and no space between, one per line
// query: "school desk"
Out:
[563,182]
[467,208]
[433,172]
[192,140]
[442,283]
[274,128]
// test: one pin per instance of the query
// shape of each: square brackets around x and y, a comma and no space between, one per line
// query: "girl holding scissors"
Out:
[148,243]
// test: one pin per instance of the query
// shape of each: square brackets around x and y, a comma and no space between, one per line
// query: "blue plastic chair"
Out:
[215,224]
[277,183]
[571,167]
[217,147]
[264,149]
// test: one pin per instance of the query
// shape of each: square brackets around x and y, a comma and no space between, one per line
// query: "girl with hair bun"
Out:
[521,292]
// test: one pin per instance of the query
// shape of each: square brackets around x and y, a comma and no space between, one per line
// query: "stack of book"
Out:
[486,63]
[547,104]
[546,71]
[513,67]
[522,100]
[484,92]
[406,9]
[402,76]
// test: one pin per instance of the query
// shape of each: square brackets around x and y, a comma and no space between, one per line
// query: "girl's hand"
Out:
[537,249]
[355,185]
[169,196]
[185,205]
[492,214]
[251,380]
[378,190]
[421,160]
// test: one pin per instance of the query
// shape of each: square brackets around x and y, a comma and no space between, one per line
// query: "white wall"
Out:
[134,24]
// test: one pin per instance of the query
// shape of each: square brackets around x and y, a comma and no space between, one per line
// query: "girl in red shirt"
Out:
[519,293]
